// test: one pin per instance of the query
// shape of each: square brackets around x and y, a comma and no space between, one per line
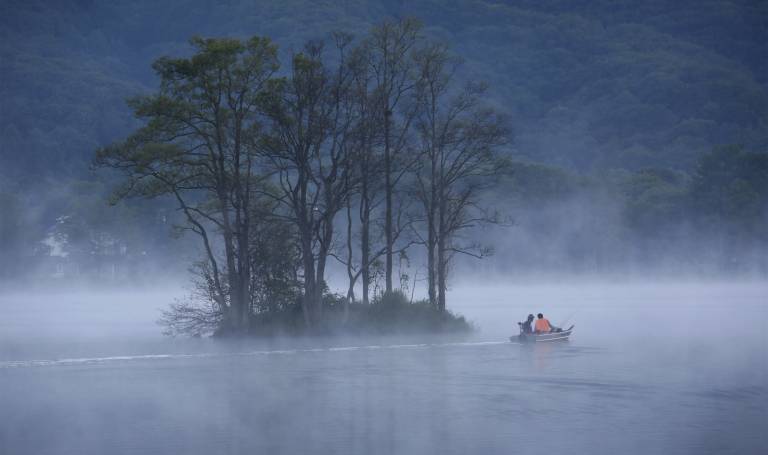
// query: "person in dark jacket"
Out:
[526,327]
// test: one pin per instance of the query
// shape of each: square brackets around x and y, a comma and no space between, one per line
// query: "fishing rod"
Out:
[562,324]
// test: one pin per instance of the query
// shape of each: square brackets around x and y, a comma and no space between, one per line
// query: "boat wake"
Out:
[150,357]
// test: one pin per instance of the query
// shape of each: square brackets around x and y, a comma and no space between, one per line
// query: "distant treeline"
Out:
[64,231]
[710,221]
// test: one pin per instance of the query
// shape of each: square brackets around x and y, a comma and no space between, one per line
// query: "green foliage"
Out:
[654,200]
[730,189]
[534,183]
[275,286]
[395,298]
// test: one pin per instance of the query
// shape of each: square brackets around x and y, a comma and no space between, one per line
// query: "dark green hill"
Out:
[590,85]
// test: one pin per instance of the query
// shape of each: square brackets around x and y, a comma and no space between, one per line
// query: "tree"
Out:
[308,154]
[390,49]
[199,146]
[275,259]
[367,169]
[458,139]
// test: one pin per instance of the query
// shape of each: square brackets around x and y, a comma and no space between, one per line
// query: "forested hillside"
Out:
[590,85]
[639,128]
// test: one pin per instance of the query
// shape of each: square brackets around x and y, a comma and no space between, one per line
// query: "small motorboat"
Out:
[542,337]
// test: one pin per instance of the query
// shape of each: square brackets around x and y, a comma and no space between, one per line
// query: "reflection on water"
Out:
[646,371]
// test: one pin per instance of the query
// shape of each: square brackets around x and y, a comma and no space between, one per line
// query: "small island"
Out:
[364,151]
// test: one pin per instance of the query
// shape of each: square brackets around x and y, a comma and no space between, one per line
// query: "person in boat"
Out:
[526,327]
[543,325]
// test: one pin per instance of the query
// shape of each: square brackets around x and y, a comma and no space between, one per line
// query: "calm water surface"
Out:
[667,369]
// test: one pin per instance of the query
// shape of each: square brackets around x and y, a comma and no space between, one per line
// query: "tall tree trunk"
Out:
[243,248]
[244,278]
[309,278]
[431,263]
[442,260]
[351,276]
[365,240]
[432,228]
[442,271]
[322,260]
[388,193]
[442,278]
[233,278]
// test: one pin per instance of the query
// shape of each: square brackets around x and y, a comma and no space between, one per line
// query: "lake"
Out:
[651,368]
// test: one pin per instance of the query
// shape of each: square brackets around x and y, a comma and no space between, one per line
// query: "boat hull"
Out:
[542,337]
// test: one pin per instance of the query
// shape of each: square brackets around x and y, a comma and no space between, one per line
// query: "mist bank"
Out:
[127,318]
[709,220]
[655,224]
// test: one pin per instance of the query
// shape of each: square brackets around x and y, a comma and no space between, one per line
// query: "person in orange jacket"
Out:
[543,325]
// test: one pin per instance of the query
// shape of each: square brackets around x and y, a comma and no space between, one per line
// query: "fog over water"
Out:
[650,368]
